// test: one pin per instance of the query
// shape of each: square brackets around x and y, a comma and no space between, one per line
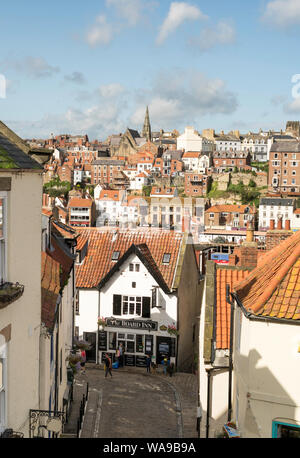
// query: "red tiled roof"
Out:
[50,285]
[191,154]
[78,202]
[225,277]
[230,208]
[103,242]
[273,288]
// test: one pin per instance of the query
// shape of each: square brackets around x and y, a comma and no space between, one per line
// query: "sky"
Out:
[92,67]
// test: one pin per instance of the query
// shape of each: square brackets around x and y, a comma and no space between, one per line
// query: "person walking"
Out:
[108,365]
[121,355]
[83,361]
[148,363]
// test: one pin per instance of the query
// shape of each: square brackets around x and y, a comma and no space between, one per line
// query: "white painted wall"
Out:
[219,387]
[266,376]
[24,315]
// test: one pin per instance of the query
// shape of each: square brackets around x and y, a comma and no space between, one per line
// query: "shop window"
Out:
[285,430]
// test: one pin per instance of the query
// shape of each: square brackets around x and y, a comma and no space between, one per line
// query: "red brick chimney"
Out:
[246,255]
[276,236]
[287,225]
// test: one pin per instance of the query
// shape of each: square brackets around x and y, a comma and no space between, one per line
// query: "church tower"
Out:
[147,127]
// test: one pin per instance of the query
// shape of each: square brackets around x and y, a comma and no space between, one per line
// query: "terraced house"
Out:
[20,287]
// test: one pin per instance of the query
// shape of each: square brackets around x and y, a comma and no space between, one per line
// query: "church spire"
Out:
[147,127]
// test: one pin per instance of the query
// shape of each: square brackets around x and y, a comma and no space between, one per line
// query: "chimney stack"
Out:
[272,225]
[287,225]
[249,232]
[279,224]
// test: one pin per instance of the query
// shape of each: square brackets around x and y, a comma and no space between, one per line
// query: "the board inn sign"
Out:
[133,324]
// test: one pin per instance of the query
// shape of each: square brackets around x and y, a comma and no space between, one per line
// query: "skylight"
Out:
[115,255]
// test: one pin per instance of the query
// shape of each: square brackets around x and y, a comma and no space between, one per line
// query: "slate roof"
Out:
[13,157]
[277,201]
[273,288]
[103,242]
[286,147]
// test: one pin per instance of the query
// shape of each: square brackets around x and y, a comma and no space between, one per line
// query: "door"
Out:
[163,348]
[90,337]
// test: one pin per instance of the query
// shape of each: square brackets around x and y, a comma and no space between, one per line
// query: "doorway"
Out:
[90,337]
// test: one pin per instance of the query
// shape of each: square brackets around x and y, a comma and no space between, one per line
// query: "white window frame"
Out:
[131,300]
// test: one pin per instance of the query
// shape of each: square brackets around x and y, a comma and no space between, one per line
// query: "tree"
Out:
[57,188]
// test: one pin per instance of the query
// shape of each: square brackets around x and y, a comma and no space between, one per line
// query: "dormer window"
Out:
[115,255]
[166,258]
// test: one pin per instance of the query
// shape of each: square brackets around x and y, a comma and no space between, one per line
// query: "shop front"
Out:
[138,337]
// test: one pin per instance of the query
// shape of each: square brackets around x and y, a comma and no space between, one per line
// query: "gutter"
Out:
[251,316]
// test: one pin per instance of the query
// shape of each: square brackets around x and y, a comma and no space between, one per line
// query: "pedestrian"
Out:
[118,356]
[121,355]
[148,363]
[83,361]
[165,363]
[108,365]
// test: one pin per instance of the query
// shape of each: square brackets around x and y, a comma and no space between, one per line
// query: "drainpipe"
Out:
[231,302]
[97,333]
[208,401]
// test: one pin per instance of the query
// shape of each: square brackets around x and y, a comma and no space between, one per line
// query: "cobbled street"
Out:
[134,404]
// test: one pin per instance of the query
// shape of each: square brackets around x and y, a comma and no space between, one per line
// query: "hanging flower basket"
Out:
[74,359]
[172,330]
[82,345]
[101,321]
[10,292]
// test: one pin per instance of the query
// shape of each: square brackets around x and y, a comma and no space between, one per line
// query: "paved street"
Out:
[134,404]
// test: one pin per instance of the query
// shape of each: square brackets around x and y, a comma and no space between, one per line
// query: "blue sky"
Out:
[75,67]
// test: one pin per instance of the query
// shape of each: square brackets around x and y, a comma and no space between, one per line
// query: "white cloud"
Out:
[221,34]
[292,107]
[130,10]
[111,90]
[34,67]
[282,13]
[178,13]
[101,33]
[180,97]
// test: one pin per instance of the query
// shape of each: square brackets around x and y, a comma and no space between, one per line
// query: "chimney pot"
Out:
[272,224]
[279,224]
[287,225]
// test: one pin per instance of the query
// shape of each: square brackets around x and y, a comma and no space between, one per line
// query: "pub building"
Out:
[144,288]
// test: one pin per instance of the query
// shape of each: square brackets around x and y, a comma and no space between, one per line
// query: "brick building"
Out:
[195,184]
[103,171]
[228,160]
[232,216]
[284,167]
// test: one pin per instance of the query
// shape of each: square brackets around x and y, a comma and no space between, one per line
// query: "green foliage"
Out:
[252,184]
[146,190]
[57,188]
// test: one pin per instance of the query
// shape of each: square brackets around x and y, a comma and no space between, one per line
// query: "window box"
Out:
[10,292]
